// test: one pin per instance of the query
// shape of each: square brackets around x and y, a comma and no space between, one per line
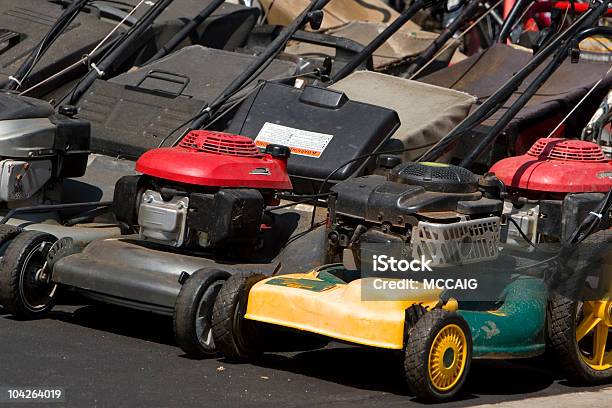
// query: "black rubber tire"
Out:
[7,233]
[416,354]
[233,335]
[16,272]
[200,290]
[563,313]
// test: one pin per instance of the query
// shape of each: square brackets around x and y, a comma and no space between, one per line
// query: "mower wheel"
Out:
[26,289]
[193,312]
[579,335]
[580,317]
[233,334]
[438,355]
[7,233]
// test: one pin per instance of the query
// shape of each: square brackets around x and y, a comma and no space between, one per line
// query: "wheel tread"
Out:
[186,307]
[223,311]
[417,354]
[562,310]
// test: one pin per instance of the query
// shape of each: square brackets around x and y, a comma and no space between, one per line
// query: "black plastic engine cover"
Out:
[72,141]
[231,217]
[440,177]
[576,207]
[375,199]
[336,129]
[125,199]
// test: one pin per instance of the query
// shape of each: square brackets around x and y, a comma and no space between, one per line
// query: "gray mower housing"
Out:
[38,147]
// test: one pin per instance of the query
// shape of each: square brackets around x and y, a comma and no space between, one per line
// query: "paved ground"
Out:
[111,357]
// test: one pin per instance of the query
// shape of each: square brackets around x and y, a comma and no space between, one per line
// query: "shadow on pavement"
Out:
[362,368]
[121,321]
[375,370]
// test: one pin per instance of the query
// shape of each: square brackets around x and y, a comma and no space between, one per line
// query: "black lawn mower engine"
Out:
[38,149]
[441,212]
[209,193]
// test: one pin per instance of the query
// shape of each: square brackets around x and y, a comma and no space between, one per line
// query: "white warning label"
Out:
[301,142]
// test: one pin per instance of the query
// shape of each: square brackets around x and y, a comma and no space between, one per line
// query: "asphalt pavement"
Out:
[105,356]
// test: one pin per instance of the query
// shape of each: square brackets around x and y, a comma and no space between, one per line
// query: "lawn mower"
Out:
[459,221]
[531,233]
[34,247]
[44,148]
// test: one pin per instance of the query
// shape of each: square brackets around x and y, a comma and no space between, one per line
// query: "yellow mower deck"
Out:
[334,308]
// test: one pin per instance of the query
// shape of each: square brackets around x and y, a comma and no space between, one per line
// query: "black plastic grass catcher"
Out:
[24,24]
[135,111]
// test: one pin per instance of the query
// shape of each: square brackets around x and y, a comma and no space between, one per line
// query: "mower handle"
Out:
[557,60]
[345,48]
[602,31]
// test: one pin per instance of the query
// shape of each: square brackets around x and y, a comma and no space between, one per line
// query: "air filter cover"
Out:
[438,177]
[567,150]
[558,166]
[219,143]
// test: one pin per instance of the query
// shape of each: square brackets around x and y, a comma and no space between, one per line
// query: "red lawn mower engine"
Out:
[552,188]
[209,192]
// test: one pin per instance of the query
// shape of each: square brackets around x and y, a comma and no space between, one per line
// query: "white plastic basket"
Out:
[458,243]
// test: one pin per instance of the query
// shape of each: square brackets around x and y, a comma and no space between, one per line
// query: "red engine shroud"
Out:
[557,165]
[215,159]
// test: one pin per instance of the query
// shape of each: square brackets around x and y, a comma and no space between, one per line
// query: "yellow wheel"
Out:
[592,334]
[447,358]
[580,325]
[438,355]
